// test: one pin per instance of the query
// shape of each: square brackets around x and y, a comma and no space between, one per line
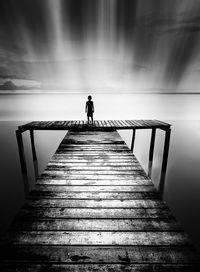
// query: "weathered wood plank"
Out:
[93,132]
[132,123]
[100,267]
[94,195]
[63,175]
[97,158]
[101,155]
[93,158]
[98,238]
[88,140]
[114,152]
[95,170]
[89,188]
[97,225]
[93,147]
[89,165]
[94,213]
[102,173]
[69,149]
[82,141]
[78,163]
[99,182]
[126,124]
[110,168]
[94,203]
[80,148]
[102,152]
[96,145]
[100,254]
[99,133]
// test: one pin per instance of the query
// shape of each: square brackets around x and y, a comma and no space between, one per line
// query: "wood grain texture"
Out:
[97,182]
[98,225]
[101,254]
[90,188]
[98,238]
[79,212]
[95,209]
[100,267]
[95,203]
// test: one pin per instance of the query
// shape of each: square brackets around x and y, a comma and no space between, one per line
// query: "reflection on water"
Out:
[182,188]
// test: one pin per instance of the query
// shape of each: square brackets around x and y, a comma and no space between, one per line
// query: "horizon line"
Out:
[86,92]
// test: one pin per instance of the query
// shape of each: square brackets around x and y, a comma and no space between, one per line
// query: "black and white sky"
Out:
[114,45]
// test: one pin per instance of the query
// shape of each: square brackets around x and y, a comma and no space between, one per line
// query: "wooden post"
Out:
[35,163]
[164,161]
[22,161]
[133,140]
[33,145]
[151,151]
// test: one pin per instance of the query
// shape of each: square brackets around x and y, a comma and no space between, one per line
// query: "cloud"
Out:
[67,39]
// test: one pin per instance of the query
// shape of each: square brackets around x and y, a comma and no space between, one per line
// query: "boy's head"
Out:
[89,97]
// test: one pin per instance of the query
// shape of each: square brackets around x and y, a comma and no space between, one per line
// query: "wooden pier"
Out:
[95,209]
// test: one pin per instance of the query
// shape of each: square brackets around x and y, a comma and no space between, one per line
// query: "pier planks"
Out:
[97,125]
[95,209]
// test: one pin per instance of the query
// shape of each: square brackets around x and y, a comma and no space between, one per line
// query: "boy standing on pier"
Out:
[89,109]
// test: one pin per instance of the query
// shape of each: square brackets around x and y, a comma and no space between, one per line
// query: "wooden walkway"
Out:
[97,125]
[95,209]
[108,125]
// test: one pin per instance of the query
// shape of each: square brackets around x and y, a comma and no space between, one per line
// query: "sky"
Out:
[105,45]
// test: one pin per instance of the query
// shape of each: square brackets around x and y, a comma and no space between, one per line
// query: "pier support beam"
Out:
[164,161]
[22,161]
[133,140]
[151,151]
[35,162]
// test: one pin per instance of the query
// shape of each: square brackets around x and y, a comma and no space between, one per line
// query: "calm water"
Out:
[182,190]
[107,106]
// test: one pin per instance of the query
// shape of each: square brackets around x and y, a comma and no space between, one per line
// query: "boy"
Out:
[89,109]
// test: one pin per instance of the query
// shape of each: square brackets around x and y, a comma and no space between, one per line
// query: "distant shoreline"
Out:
[96,93]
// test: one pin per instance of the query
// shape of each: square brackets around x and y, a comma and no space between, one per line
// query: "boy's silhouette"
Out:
[89,108]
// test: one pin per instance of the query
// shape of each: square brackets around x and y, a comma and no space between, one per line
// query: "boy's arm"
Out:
[86,107]
[93,107]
